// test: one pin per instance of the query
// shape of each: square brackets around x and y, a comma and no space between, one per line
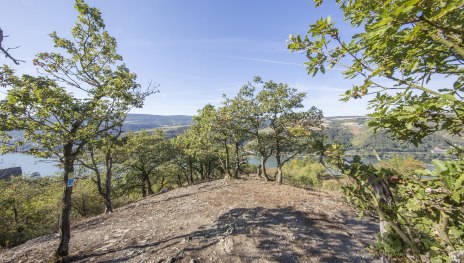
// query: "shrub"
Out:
[304,173]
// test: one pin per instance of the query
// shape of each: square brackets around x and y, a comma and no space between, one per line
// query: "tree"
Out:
[289,129]
[273,119]
[143,153]
[205,140]
[98,157]
[56,121]
[186,153]
[402,45]
[405,44]
[231,124]
[200,147]
[247,108]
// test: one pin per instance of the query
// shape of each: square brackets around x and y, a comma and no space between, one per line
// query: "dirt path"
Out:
[220,221]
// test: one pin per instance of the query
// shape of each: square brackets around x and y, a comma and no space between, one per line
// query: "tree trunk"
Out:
[279,168]
[179,180]
[209,175]
[383,231]
[237,160]
[144,188]
[65,219]
[149,185]
[19,228]
[385,196]
[190,170]
[202,172]
[263,167]
[108,187]
[106,193]
[279,175]
[227,168]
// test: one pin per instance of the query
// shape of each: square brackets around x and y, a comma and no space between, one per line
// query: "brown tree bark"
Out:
[227,162]
[191,170]
[263,168]
[279,168]
[108,187]
[65,219]
[237,161]
[144,189]
[149,185]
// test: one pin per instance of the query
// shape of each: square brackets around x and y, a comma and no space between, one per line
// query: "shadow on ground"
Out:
[281,235]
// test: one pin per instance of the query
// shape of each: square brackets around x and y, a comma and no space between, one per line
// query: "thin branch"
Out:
[5,51]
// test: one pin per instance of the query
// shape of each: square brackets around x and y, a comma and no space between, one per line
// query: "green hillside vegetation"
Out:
[355,135]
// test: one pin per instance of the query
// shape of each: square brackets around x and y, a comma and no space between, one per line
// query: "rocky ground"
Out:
[245,220]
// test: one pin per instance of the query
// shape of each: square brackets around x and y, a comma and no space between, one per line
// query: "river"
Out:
[47,167]
[29,164]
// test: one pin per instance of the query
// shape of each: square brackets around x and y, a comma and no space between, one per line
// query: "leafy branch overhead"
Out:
[404,45]
[401,47]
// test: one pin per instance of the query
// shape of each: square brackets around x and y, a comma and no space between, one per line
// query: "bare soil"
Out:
[245,220]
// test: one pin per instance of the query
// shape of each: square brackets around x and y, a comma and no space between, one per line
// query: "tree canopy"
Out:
[83,93]
[401,47]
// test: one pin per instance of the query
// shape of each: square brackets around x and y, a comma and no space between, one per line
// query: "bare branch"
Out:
[5,51]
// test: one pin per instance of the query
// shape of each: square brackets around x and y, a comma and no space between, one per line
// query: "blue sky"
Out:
[195,50]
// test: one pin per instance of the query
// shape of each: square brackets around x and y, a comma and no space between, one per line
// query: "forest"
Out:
[420,211]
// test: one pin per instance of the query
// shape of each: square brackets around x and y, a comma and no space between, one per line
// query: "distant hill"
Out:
[135,122]
[171,124]
[353,133]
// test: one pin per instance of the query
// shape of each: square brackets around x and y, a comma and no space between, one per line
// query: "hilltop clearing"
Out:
[245,220]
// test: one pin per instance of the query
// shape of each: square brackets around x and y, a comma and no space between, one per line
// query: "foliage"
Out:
[304,173]
[401,165]
[198,148]
[143,153]
[272,116]
[87,201]
[29,207]
[401,46]
[422,210]
[56,121]
[405,43]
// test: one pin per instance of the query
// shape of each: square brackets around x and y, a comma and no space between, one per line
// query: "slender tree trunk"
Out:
[237,160]
[144,188]
[65,219]
[19,228]
[202,172]
[279,168]
[186,176]
[108,187]
[179,180]
[263,168]
[149,185]
[227,168]
[190,170]
[385,196]
[106,192]
[209,170]
[383,231]
[84,208]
